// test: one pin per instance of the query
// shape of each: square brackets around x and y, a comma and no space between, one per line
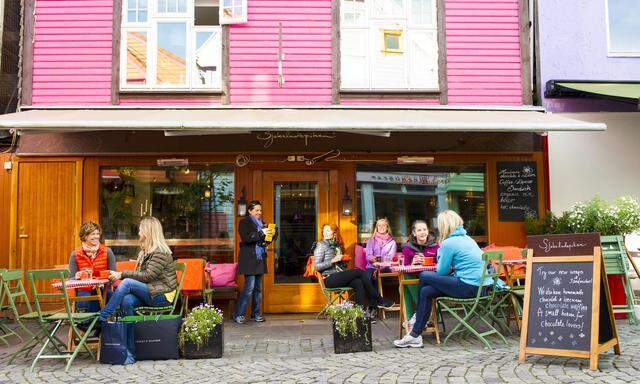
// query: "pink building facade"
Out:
[286,53]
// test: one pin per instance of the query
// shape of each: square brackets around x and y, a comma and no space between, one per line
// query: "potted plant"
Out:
[201,335]
[351,329]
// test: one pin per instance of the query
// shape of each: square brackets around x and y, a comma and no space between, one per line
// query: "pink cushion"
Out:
[360,260]
[222,275]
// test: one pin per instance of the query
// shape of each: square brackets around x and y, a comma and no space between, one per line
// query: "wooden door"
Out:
[46,213]
[298,203]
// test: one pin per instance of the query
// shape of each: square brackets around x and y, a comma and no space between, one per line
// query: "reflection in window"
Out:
[404,194]
[195,206]
[172,53]
[624,26]
[136,58]
[422,12]
[207,60]
[172,6]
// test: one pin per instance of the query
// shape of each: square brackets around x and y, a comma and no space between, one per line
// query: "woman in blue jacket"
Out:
[458,273]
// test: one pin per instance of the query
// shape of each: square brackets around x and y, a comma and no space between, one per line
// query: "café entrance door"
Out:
[298,203]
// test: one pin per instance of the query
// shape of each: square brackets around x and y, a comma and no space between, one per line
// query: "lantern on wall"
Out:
[347,203]
[242,204]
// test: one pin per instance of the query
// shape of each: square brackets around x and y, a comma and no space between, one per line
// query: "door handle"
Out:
[23,236]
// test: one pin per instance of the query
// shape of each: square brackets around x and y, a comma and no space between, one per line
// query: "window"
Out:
[233,11]
[405,193]
[171,44]
[195,206]
[388,45]
[623,27]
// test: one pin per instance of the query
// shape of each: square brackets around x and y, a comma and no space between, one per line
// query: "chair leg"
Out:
[81,343]
[46,343]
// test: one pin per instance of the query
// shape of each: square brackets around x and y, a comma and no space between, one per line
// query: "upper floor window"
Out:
[388,45]
[170,44]
[623,27]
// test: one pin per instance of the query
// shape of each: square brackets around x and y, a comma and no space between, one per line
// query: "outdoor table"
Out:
[511,280]
[380,275]
[408,284]
[97,284]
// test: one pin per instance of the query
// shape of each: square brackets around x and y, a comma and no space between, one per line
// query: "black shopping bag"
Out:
[117,344]
[155,337]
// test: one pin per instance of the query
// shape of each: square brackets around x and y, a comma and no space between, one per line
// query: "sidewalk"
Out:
[285,350]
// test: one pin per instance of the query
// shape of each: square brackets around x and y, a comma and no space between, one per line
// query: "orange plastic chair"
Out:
[125,265]
[194,280]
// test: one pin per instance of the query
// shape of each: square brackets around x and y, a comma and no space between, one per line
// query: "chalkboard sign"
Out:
[567,304]
[560,306]
[517,190]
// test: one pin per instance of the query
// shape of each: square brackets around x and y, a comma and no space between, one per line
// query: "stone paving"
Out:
[301,351]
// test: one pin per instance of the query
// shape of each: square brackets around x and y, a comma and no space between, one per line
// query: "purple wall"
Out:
[573,46]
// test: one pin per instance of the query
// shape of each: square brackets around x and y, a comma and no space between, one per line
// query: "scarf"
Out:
[381,240]
[90,251]
[260,250]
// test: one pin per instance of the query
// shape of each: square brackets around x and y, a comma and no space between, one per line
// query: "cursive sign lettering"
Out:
[517,190]
[269,137]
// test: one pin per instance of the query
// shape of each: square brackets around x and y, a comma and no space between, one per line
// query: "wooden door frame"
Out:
[323,177]
[15,179]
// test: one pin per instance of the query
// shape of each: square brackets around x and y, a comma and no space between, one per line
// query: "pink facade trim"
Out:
[73,55]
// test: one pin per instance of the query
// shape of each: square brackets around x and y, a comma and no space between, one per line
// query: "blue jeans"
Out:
[431,286]
[252,288]
[131,293]
[90,306]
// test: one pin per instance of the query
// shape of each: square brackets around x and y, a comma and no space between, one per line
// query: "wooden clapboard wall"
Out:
[5,203]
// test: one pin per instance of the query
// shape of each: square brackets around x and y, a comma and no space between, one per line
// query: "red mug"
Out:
[105,274]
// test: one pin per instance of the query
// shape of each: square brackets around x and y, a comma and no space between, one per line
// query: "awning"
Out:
[245,120]
[625,91]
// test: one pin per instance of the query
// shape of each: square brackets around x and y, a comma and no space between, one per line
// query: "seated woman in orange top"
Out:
[91,255]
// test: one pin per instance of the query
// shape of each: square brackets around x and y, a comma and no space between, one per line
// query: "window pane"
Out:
[136,58]
[131,16]
[172,5]
[206,68]
[142,4]
[404,194]
[132,4]
[162,5]
[391,42]
[421,12]
[206,16]
[387,8]
[624,25]
[142,16]
[195,207]
[171,53]
[182,6]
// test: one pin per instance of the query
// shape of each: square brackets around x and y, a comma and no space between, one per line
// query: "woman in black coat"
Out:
[252,261]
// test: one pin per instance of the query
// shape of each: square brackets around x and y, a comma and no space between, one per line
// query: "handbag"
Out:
[155,337]
[222,275]
[117,344]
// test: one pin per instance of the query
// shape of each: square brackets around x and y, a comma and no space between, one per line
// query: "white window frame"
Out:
[611,53]
[153,17]
[244,17]
[405,24]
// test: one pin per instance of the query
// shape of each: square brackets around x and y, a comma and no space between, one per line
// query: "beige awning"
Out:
[240,120]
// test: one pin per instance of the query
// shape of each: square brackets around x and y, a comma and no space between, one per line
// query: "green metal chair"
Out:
[333,295]
[14,292]
[168,309]
[616,262]
[480,309]
[73,319]
[6,331]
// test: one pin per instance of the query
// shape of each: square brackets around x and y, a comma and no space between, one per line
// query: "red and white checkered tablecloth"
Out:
[72,283]
[412,268]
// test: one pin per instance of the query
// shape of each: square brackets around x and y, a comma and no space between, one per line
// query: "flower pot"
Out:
[213,347]
[350,343]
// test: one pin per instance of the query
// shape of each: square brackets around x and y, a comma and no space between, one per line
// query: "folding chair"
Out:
[479,309]
[333,295]
[616,263]
[6,331]
[73,319]
[409,296]
[167,309]
[14,291]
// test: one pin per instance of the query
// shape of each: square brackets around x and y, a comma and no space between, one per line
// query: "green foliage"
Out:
[345,318]
[199,325]
[597,215]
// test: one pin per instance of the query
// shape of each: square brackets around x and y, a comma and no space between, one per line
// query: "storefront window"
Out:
[194,204]
[403,194]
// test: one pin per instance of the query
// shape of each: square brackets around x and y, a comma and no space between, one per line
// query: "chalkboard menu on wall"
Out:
[560,306]
[517,190]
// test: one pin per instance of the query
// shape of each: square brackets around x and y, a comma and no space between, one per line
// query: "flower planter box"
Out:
[350,344]
[213,348]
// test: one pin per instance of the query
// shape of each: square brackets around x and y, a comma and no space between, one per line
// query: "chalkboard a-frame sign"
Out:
[567,304]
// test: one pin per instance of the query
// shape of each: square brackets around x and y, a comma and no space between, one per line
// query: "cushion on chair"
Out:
[360,259]
[222,275]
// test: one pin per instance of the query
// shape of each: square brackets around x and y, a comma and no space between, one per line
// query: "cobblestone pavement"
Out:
[301,351]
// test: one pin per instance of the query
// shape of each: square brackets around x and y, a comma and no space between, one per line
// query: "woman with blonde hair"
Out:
[458,273]
[380,248]
[327,258]
[153,282]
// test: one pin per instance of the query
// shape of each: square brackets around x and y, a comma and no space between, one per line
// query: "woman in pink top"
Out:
[381,247]
[421,245]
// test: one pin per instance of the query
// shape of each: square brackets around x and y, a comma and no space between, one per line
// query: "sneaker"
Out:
[386,304]
[409,341]
[239,319]
[258,319]
[409,324]
[371,314]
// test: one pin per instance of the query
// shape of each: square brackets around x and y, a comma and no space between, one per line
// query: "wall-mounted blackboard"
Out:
[560,306]
[517,190]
